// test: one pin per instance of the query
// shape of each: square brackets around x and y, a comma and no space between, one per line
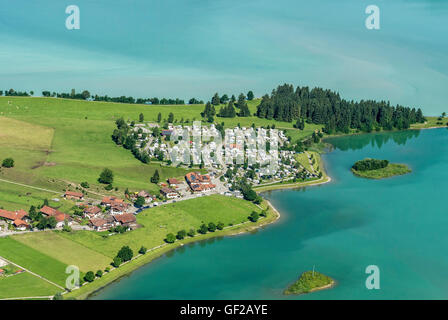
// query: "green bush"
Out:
[8,163]
[170,238]
[90,276]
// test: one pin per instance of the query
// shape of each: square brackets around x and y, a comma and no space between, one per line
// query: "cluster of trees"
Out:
[123,255]
[320,106]
[85,94]
[254,216]
[122,137]
[40,221]
[227,111]
[203,229]
[242,109]
[216,99]
[13,93]
[106,177]
[209,112]
[370,164]
[195,101]
[8,163]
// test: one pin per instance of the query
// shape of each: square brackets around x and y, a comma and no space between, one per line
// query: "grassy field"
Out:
[25,285]
[159,221]
[68,252]
[33,260]
[430,123]
[56,142]
[15,197]
[393,169]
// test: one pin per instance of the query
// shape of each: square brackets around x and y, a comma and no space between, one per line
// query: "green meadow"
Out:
[25,285]
[61,142]
[33,260]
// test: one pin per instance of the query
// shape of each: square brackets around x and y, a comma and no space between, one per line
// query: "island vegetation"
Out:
[378,169]
[310,281]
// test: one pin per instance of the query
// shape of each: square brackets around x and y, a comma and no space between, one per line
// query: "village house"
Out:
[59,216]
[21,225]
[126,220]
[92,212]
[173,183]
[169,193]
[11,216]
[71,195]
[116,206]
[102,224]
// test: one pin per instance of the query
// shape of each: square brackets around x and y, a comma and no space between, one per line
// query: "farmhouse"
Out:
[92,212]
[169,193]
[126,219]
[117,206]
[21,225]
[59,216]
[102,224]
[13,215]
[73,195]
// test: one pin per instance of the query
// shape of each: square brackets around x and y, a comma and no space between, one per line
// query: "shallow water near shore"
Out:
[398,224]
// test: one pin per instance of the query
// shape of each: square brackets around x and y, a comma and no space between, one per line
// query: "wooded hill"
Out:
[326,107]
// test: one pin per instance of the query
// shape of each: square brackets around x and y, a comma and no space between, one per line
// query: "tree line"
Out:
[370,164]
[326,107]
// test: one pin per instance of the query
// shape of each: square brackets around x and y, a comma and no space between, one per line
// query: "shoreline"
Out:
[126,270]
[158,252]
[89,289]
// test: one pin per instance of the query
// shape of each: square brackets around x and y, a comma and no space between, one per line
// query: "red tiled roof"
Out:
[196,177]
[20,223]
[10,215]
[125,218]
[173,181]
[92,210]
[74,194]
[111,200]
[167,190]
[98,222]
[59,216]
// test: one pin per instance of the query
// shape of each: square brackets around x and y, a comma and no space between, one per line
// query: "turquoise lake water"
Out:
[185,48]
[398,224]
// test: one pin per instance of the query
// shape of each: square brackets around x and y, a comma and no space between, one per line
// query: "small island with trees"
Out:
[379,169]
[310,281]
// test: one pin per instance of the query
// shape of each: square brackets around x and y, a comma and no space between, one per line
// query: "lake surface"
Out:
[398,224]
[194,48]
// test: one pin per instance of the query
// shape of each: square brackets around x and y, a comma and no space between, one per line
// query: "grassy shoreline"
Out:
[141,260]
[273,215]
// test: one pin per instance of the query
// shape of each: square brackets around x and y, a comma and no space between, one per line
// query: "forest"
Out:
[326,107]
